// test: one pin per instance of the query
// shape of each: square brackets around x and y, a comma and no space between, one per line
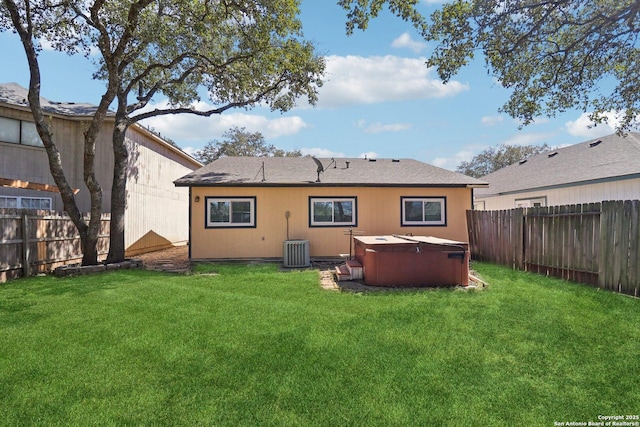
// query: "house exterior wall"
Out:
[378,213]
[157,211]
[626,189]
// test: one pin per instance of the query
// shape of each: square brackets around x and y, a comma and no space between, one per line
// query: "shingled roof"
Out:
[296,171]
[14,94]
[597,160]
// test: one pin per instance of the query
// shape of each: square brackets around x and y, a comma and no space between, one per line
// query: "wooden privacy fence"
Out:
[595,243]
[33,242]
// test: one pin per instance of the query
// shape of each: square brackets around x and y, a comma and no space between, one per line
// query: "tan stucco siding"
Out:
[378,212]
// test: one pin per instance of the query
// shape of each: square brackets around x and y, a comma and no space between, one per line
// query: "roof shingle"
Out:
[289,171]
[613,157]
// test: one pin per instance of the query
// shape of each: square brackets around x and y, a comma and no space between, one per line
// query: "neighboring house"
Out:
[157,211]
[606,168]
[247,207]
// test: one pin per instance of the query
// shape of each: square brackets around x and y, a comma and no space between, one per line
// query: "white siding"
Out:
[628,189]
[157,211]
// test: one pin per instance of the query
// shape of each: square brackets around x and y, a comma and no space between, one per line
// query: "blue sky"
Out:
[379,99]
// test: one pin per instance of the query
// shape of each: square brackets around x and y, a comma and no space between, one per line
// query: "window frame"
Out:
[443,211]
[252,212]
[530,202]
[333,223]
[24,129]
[19,200]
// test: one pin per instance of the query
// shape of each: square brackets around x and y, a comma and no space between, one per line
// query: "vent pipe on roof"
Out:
[347,162]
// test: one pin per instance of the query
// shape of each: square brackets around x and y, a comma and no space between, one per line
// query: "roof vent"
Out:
[347,162]
[372,160]
[395,160]
[522,162]
[595,143]
[550,155]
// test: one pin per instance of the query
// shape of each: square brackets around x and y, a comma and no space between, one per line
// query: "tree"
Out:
[30,26]
[492,158]
[239,142]
[242,53]
[554,55]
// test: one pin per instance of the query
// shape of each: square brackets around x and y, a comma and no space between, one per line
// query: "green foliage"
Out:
[253,345]
[359,12]
[492,158]
[554,55]
[239,142]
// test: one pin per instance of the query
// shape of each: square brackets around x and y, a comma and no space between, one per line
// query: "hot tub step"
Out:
[342,272]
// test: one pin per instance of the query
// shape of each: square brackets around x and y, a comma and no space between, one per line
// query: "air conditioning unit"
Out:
[296,253]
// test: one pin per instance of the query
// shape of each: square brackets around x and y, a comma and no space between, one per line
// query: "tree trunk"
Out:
[118,191]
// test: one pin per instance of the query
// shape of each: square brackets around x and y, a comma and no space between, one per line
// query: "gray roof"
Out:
[14,94]
[296,171]
[607,158]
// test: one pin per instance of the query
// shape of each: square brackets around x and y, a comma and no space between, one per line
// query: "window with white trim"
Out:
[531,203]
[17,131]
[421,211]
[230,212]
[16,202]
[332,211]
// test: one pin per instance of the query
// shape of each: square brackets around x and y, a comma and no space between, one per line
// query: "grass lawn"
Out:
[255,346]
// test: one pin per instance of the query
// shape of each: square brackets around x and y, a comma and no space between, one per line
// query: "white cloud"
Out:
[381,127]
[491,120]
[584,127]
[527,139]
[356,80]
[188,128]
[321,152]
[452,163]
[405,41]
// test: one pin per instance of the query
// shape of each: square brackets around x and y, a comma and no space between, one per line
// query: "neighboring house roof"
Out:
[602,159]
[16,96]
[296,171]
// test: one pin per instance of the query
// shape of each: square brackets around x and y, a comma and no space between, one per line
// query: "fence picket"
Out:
[52,240]
[593,243]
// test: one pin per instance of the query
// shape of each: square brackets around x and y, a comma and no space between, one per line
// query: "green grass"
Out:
[255,346]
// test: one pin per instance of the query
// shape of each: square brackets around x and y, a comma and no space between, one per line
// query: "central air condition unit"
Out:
[296,253]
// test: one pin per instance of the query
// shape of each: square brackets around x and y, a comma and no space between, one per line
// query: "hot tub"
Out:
[412,261]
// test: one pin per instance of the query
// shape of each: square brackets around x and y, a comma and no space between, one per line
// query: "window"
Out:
[531,203]
[19,132]
[42,203]
[332,211]
[418,211]
[230,212]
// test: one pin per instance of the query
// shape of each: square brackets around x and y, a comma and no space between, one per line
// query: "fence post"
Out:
[26,268]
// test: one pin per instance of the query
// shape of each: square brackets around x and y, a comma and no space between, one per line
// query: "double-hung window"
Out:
[230,212]
[420,211]
[332,211]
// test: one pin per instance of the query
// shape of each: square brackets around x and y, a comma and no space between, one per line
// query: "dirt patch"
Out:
[174,259]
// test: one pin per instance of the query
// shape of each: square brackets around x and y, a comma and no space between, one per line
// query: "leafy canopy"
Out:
[238,142]
[553,55]
[492,158]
